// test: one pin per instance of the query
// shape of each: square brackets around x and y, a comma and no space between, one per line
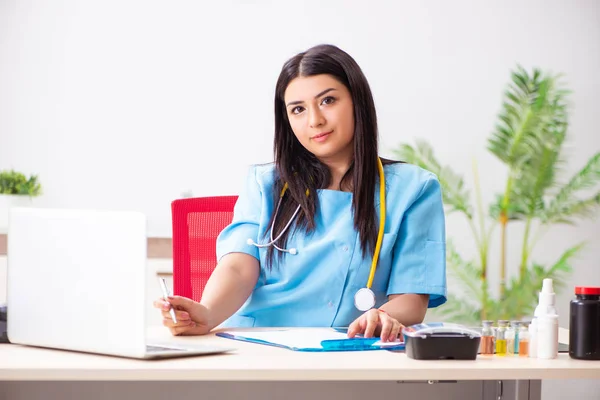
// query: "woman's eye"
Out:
[297,110]
[328,100]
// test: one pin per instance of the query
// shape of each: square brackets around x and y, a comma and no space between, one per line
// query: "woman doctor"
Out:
[316,239]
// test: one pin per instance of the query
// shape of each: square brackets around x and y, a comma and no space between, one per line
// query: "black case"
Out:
[442,346]
[3,324]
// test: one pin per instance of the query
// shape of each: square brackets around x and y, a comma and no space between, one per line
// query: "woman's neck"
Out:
[337,169]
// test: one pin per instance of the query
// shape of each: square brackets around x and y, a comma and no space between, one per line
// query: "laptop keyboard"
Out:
[154,349]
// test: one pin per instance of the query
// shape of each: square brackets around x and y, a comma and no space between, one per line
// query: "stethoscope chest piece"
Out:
[364,299]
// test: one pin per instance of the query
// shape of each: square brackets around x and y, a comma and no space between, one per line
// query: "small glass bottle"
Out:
[501,338]
[487,338]
[517,326]
[523,340]
[510,339]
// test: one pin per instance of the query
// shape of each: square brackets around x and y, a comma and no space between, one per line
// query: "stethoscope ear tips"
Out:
[293,251]
[250,241]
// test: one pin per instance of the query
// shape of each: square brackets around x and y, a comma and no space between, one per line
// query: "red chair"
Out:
[196,224]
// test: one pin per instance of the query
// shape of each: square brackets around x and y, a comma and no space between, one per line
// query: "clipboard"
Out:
[310,339]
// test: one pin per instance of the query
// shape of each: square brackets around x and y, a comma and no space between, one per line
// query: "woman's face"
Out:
[321,114]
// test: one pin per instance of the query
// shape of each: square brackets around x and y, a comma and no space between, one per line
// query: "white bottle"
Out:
[546,306]
[546,299]
[533,338]
[547,336]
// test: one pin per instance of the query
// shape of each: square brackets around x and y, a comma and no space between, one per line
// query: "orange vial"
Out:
[523,340]
[487,338]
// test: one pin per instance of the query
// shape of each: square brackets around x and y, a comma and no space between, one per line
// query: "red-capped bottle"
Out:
[584,324]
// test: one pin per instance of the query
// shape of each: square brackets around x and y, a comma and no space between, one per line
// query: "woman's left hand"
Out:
[376,323]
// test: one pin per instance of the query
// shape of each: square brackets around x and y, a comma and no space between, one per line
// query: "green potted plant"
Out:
[528,139]
[16,190]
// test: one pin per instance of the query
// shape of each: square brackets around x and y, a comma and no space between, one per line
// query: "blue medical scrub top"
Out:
[316,286]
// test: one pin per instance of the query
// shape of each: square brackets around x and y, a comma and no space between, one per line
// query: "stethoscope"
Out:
[364,298]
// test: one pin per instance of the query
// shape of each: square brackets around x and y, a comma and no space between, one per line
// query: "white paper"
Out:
[298,338]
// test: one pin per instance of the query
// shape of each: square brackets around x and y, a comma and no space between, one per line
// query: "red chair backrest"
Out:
[196,224]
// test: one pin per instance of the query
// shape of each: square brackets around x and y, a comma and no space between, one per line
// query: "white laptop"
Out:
[76,281]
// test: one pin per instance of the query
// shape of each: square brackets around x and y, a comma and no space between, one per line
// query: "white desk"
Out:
[274,367]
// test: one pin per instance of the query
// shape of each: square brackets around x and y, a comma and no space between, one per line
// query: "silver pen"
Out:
[165,292]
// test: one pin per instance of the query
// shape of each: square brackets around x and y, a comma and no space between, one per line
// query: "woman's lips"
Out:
[321,137]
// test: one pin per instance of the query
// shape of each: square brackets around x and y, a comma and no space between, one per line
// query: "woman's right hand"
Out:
[192,317]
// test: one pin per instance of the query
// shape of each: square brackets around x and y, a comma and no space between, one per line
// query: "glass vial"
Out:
[501,338]
[523,340]
[510,339]
[487,338]
[517,326]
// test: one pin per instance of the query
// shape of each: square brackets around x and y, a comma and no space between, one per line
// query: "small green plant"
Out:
[528,140]
[16,183]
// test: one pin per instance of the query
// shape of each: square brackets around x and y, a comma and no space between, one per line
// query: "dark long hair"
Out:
[302,170]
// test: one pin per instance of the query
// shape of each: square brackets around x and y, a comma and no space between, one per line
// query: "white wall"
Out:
[126,104]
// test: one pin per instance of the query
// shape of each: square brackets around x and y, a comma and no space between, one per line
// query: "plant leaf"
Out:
[465,271]
[515,211]
[457,310]
[463,309]
[529,138]
[454,194]
[510,140]
[12,182]
[521,295]
[565,204]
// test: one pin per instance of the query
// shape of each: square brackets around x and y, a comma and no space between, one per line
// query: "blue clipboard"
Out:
[310,340]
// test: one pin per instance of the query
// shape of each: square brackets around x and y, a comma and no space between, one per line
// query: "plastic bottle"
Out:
[546,306]
[584,324]
[547,336]
[546,299]
[532,338]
